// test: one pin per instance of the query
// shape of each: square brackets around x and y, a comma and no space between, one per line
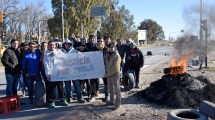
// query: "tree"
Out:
[119,23]
[154,31]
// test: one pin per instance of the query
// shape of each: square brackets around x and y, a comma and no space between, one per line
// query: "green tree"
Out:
[154,31]
[119,23]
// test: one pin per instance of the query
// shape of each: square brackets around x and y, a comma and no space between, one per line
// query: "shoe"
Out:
[92,99]
[81,100]
[116,107]
[97,92]
[64,103]
[52,105]
[137,86]
[68,100]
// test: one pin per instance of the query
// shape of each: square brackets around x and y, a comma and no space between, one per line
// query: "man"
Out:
[48,59]
[134,61]
[112,63]
[94,83]
[11,60]
[107,41]
[31,68]
[68,49]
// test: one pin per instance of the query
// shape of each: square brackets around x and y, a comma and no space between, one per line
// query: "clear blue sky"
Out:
[167,13]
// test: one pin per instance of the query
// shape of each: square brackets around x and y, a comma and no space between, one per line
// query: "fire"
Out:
[180,67]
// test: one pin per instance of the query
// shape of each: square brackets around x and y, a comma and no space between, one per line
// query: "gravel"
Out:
[137,108]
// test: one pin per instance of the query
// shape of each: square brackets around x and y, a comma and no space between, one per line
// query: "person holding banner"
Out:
[68,48]
[31,66]
[94,83]
[47,60]
[112,65]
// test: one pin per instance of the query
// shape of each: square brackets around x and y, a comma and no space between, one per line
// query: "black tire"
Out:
[186,114]
[128,78]
[207,108]
[149,53]
[40,94]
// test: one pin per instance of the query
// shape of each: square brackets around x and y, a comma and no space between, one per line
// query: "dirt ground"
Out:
[136,108]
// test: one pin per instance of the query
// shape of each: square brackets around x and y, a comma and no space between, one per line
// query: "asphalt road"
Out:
[33,112]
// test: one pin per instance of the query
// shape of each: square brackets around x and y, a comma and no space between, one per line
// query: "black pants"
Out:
[87,82]
[51,89]
[94,86]
[105,86]
[47,84]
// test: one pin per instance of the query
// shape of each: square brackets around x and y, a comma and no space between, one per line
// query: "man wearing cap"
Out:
[31,68]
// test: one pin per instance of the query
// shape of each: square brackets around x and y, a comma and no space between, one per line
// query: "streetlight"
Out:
[62,20]
[175,32]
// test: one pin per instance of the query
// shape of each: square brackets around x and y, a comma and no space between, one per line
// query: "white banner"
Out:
[78,66]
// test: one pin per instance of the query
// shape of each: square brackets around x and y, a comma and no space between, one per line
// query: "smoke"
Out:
[192,47]
[191,15]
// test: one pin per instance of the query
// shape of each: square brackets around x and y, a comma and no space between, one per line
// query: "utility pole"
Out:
[62,21]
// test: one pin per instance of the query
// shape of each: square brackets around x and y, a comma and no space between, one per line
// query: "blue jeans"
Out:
[77,88]
[30,84]
[12,83]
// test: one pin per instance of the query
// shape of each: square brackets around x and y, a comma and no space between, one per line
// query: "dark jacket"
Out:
[121,50]
[11,60]
[134,58]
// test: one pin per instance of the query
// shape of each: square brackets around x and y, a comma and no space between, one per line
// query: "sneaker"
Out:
[81,100]
[68,100]
[92,99]
[97,93]
[52,105]
[64,103]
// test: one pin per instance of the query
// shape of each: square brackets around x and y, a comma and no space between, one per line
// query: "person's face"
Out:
[107,41]
[44,46]
[25,48]
[93,40]
[67,45]
[15,44]
[32,47]
[100,42]
[112,49]
[51,46]
[128,43]
[81,48]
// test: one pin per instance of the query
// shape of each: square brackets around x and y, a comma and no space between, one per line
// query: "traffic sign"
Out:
[97,11]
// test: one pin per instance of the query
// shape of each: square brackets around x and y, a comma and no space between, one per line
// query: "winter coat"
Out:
[31,62]
[121,49]
[112,64]
[11,60]
[48,59]
[134,58]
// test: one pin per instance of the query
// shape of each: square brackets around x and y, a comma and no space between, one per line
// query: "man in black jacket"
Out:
[134,61]
[11,60]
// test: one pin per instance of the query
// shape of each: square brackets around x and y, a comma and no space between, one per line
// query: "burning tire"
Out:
[128,80]
[185,114]
[207,108]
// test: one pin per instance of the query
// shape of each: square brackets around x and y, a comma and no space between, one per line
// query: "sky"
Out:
[167,13]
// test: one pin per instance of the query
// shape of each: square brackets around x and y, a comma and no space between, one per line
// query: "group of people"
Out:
[33,64]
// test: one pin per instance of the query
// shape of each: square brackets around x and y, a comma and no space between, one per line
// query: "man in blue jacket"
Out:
[31,66]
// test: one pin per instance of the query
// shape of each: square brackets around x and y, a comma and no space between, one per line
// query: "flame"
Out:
[180,67]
